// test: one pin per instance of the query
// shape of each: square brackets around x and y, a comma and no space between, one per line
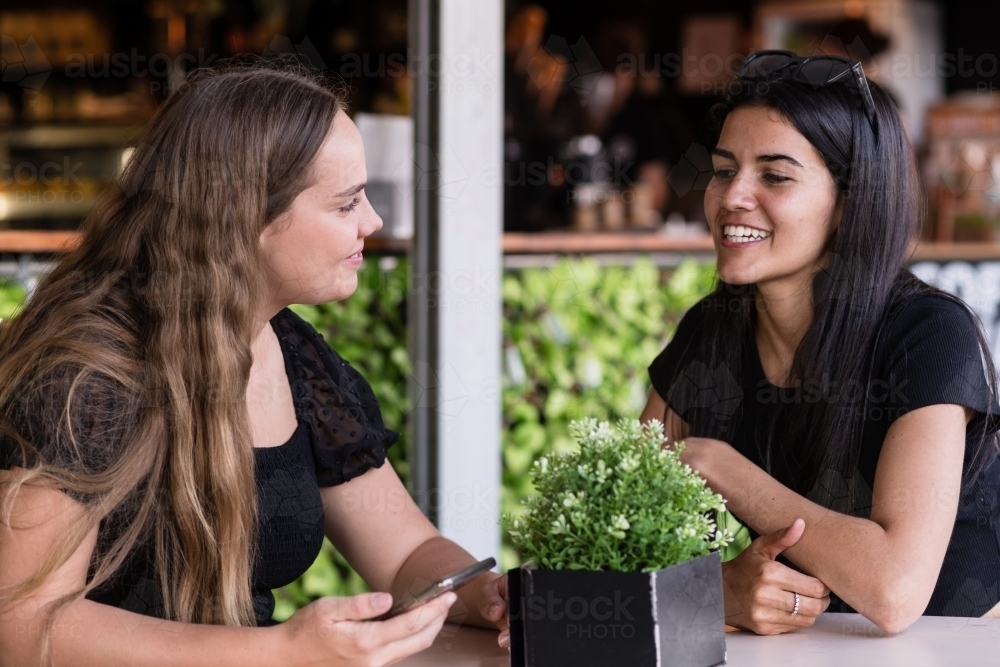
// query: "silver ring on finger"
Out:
[795,609]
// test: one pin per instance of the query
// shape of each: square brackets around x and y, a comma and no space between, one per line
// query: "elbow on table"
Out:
[891,622]
[896,608]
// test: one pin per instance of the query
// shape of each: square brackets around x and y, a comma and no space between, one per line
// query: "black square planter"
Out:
[573,618]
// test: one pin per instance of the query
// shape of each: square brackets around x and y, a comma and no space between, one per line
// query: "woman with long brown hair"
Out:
[175,442]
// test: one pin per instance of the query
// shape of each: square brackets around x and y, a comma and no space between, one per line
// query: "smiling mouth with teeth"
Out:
[739,233]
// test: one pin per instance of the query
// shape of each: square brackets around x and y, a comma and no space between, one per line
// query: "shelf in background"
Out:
[37,241]
[43,241]
[17,209]
[946,252]
[49,241]
[71,135]
[594,242]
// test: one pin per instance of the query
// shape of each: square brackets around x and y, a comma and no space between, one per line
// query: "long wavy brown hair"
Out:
[125,374]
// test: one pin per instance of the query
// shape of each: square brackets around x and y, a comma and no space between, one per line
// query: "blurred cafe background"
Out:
[604,103]
[588,129]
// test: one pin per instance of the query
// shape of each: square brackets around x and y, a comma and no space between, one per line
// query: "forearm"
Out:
[857,558]
[90,634]
[434,559]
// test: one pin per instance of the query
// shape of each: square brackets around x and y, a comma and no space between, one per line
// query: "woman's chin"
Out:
[737,277]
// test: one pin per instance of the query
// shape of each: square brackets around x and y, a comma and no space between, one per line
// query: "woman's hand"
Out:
[760,592]
[332,631]
[492,602]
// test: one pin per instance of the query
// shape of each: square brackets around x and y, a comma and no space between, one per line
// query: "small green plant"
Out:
[621,502]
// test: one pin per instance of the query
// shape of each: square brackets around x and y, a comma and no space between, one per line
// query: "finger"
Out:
[781,576]
[770,621]
[503,639]
[502,586]
[492,602]
[785,601]
[773,544]
[418,619]
[401,648]
[355,607]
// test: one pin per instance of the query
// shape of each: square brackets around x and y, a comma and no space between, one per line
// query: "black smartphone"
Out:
[448,583]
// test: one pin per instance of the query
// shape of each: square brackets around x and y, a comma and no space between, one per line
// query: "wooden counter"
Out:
[569,243]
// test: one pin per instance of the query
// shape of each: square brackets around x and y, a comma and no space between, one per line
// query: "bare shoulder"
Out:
[41,517]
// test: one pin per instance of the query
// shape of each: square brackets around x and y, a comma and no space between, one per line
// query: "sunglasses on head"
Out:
[816,71]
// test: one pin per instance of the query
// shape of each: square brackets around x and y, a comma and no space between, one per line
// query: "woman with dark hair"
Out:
[846,410]
[175,442]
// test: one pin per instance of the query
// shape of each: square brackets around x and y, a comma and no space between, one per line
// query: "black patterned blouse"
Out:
[340,435]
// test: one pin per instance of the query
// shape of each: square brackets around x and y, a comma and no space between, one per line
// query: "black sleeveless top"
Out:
[339,436]
[929,355]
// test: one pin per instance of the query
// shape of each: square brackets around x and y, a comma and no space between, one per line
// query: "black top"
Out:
[339,436]
[929,355]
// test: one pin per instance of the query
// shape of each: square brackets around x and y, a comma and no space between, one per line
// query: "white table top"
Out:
[850,640]
[836,640]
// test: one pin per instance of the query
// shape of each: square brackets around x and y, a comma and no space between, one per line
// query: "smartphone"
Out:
[449,583]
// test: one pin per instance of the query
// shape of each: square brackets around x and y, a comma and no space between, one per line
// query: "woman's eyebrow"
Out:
[769,157]
[350,191]
[774,157]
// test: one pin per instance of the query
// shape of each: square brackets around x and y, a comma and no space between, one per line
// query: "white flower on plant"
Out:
[559,525]
[570,499]
[629,463]
[685,532]
[543,464]
[603,434]
[619,524]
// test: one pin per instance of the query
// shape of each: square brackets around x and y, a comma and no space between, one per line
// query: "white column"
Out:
[458,267]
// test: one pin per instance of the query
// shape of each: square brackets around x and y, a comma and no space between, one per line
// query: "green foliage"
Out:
[621,502]
[11,298]
[578,340]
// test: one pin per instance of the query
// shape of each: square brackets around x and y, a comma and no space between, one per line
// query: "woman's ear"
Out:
[838,212]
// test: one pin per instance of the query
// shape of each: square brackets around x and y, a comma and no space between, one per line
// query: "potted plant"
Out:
[623,564]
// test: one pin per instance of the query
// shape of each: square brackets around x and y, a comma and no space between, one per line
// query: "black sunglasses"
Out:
[816,71]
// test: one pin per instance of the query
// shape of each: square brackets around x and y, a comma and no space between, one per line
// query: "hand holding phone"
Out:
[449,583]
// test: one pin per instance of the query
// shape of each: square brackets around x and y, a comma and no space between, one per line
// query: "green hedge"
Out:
[578,338]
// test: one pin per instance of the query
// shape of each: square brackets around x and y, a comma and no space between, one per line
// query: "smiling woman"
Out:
[175,442]
[821,381]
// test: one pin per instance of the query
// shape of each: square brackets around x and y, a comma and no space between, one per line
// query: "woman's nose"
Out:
[739,194]
[373,223]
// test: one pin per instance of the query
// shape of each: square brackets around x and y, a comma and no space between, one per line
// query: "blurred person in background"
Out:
[540,113]
[633,110]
